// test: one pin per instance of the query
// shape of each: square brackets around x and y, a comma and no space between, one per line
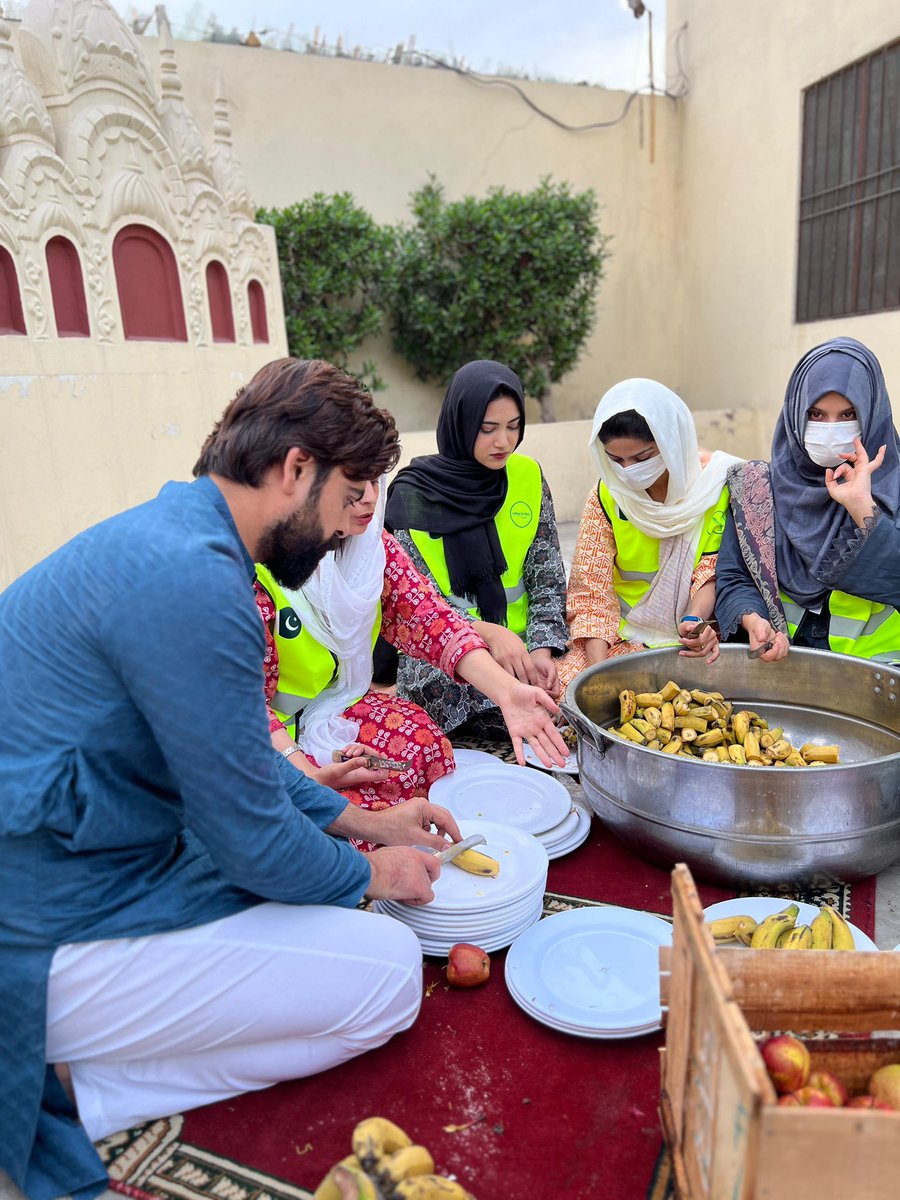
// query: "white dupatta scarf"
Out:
[337,604]
[677,522]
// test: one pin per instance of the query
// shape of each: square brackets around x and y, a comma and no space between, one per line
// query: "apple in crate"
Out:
[810,1097]
[885,1085]
[467,966]
[868,1102]
[787,1061]
[825,1082]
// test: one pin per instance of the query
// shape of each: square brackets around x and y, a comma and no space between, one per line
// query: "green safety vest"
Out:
[862,628]
[637,554]
[305,666]
[516,523]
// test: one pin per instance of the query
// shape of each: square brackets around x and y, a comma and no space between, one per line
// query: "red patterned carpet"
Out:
[547,1116]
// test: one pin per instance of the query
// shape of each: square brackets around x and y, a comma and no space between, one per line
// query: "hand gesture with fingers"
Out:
[850,484]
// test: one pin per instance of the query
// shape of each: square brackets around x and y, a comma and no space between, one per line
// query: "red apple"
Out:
[787,1061]
[789,1101]
[868,1102]
[825,1082]
[468,965]
[885,1085]
[811,1097]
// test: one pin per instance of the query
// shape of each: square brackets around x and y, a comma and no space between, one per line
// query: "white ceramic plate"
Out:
[502,793]
[591,971]
[562,832]
[571,767]
[576,839]
[472,758]
[579,1030]
[759,907]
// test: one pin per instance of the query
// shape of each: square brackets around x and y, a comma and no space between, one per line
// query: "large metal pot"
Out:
[752,825]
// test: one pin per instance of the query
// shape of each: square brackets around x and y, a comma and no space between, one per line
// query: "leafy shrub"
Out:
[511,276]
[335,262]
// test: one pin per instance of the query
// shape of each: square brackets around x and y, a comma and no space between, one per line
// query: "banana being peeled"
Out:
[476,863]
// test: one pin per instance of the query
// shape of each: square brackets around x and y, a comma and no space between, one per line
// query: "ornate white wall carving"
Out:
[89,143]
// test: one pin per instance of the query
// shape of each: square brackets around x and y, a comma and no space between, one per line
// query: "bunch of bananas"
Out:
[704,725]
[780,931]
[386,1165]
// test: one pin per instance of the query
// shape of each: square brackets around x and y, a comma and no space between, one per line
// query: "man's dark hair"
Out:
[628,424]
[306,403]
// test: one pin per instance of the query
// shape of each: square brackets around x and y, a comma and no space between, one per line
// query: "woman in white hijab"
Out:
[643,573]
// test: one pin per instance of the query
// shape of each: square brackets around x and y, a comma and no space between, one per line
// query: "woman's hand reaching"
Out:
[528,713]
[850,484]
[760,631]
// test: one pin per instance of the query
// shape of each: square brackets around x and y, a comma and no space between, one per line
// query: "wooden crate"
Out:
[727,1137]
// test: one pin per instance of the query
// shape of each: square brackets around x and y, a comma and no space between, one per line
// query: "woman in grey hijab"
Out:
[811,551]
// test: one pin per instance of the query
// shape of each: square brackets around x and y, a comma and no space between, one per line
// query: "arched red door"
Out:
[67,289]
[149,286]
[256,301]
[219,292]
[12,319]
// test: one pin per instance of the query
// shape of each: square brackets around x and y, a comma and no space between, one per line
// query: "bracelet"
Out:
[689,618]
[289,751]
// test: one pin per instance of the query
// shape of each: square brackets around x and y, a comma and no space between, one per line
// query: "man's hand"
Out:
[704,645]
[509,651]
[850,484]
[401,873]
[528,713]
[409,824]
[548,675]
[760,632]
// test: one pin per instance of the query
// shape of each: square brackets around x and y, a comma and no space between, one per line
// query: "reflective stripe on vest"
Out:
[861,628]
[517,523]
[637,554]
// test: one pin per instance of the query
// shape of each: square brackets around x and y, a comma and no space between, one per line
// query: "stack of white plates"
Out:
[497,791]
[488,911]
[591,972]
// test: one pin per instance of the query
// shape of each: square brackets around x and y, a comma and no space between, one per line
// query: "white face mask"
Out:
[826,441]
[642,475]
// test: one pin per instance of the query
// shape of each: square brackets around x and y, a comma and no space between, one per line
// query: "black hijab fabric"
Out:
[451,496]
[809,522]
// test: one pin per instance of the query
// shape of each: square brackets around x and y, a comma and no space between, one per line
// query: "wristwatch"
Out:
[289,751]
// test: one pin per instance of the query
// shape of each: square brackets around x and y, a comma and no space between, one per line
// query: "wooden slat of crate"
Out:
[808,990]
[806,1154]
[714,1076]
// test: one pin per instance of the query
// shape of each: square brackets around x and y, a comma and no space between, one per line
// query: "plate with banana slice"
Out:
[773,923]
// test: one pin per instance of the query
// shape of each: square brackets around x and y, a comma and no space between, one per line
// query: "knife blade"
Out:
[760,650]
[448,855]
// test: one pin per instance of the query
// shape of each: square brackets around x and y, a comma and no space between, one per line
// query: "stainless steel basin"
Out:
[752,825]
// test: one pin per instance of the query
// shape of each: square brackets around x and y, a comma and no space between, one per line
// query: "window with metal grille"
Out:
[848,259]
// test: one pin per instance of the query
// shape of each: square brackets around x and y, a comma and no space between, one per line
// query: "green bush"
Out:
[512,276]
[335,263]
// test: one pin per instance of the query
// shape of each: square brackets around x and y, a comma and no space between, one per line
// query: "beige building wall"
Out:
[747,65]
[303,123]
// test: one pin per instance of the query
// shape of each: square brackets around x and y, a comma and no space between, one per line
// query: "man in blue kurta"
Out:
[178,908]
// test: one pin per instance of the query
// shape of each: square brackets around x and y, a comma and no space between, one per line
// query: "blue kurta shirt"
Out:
[132,717]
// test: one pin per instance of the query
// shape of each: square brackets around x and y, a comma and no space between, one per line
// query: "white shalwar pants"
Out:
[155,1025]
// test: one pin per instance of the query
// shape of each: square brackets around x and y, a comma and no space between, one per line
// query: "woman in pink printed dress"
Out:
[319,668]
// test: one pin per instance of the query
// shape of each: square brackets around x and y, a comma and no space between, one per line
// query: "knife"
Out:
[448,855]
[760,650]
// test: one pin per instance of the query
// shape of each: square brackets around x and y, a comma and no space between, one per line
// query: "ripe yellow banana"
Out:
[740,723]
[405,1164]
[667,713]
[745,930]
[725,929]
[841,933]
[329,1190]
[798,938]
[375,1138]
[649,700]
[476,863]
[822,930]
[824,754]
[627,706]
[768,931]
[430,1187]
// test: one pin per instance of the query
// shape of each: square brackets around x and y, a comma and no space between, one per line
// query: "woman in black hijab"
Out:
[477,520]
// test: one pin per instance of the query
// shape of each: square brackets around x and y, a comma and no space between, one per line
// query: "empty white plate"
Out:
[571,767]
[497,791]
[472,758]
[591,971]
[759,907]
[575,839]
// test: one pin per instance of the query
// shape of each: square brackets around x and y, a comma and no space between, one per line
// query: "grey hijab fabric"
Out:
[808,521]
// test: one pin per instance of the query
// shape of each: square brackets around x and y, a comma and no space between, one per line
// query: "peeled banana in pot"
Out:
[704,726]
[780,931]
